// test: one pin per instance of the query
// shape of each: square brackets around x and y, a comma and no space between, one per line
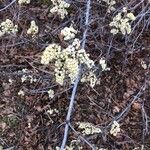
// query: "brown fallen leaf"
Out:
[136,106]
[3,125]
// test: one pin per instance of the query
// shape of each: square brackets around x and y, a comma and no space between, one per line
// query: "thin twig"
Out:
[8,5]
[126,110]
[70,112]
[145,123]
[81,137]
[77,79]
[123,114]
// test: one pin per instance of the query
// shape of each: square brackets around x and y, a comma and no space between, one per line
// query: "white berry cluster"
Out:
[27,77]
[103,64]
[68,33]
[74,144]
[88,128]
[121,22]
[60,7]
[34,29]
[51,52]
[89,77]
[84,59]
[72,65]
[21,93]
[8,27]
[66,63]
[115,128]
[20,2]
[50,93]
[110,4]
[66,60]
[52,112]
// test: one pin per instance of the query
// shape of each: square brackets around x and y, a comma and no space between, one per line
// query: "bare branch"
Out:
[77,79]
[8,5]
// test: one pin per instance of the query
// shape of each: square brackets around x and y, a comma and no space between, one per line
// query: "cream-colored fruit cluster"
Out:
[121,22]
[20,2]
[34,29]
[50,93]
[88,128]
[26,77]
[89,77]
[60,7]
[74,144]
[66,60]
[115,128]
[8,27]
[110,4]
[51,52]
[68,33]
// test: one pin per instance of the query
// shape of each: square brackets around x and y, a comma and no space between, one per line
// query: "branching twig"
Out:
[81,137]
[126,110]
[7,5]
[145,123]
[70,112]
[123,114]
[77,79]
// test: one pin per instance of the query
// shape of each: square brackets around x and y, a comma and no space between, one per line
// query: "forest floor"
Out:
[123,93]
